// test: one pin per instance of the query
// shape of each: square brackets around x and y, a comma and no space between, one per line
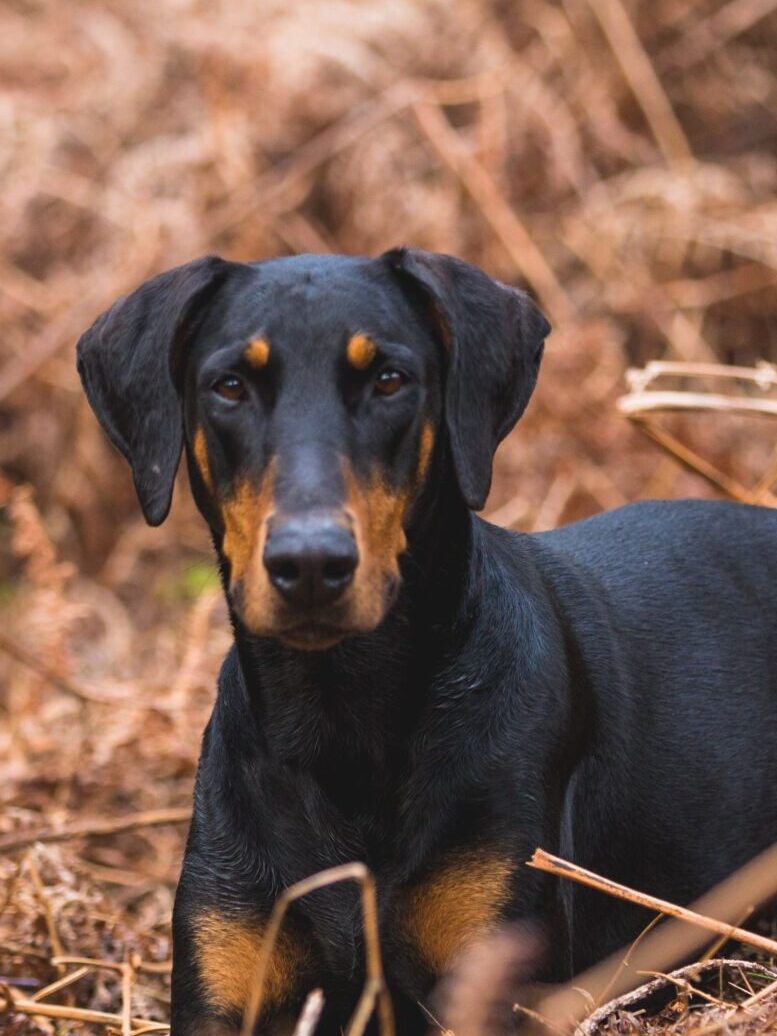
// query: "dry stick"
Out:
[698,464]
[713,33]
[543,861]
[10,1001]
[269,192]
[63,683]
[684,986]
[311,1012]
[763,374]
[644,83]
[96,826]
[762,994]
[657,399]
[624,963]
[700,292]
[502,219]
[630,1000]
[136,963]
[126,998]
[48,913]
[31,661]
[713,950]
[61,983]
[674,940]
[375,989]
[763,486]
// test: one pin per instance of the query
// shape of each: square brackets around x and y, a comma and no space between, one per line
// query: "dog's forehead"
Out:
[313,300]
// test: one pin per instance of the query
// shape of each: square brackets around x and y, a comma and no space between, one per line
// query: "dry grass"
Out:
[619,158]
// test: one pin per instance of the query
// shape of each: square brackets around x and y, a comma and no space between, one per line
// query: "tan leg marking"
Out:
[227,953]
[360,351]
[454,906]
[257,353]
[201,457]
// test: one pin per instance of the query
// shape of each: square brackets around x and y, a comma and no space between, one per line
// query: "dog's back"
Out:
[678,665]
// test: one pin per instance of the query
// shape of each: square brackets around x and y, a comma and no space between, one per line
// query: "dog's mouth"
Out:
[314,629]
[313,636]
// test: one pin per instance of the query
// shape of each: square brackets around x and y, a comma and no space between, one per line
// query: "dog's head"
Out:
[311,394]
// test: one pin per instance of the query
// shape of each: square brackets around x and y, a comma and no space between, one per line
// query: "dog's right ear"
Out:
[124,360]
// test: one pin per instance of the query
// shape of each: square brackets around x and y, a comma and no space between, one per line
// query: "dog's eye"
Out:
[231,388]
[389,382]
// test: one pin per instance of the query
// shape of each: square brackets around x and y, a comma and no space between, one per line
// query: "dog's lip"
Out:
[313,636]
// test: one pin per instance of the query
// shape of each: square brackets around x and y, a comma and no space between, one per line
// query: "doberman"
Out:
[409,685]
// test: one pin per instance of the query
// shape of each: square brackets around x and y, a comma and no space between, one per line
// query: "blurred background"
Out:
[617,158]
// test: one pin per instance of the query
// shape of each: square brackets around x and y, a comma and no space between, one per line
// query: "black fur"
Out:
[607,691]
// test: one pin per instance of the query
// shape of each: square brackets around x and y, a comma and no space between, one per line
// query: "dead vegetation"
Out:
[618,158]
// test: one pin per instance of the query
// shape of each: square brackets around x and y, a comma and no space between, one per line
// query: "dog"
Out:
[409,685]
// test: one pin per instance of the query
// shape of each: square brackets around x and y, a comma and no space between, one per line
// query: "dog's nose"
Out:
[310,563]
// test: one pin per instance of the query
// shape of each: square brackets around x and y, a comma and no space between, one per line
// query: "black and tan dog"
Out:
[409,685]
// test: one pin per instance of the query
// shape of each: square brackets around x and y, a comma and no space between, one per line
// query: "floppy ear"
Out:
[125,362]
[494,336]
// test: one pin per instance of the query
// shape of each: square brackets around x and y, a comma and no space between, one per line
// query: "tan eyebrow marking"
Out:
[360,351]
[257,353]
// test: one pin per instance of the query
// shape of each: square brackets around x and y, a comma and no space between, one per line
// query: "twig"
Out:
[96,826]
[500,216]
[641,76]
[629,1001]
[269,192]
[691,460]
[626,960]
[20,654]
[311,1012]
[48,913]
[72,687]
[642,402]
[764,374]
[61,983]
[375,990]
[11,1001]
[127,977]
[550,864]
[762,994]
[687,987]
[713,33]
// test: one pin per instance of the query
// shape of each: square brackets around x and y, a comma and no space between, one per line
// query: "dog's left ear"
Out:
[494,336]
[126,362]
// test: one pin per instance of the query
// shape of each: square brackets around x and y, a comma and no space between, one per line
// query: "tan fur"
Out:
[257,353]
[361,351]
[245,516]
[377,514]
[425,448]
[201,457]
[227,952]
[458,903]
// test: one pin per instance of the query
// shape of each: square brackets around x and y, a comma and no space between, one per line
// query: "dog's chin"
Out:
[313,637]
[315,631]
